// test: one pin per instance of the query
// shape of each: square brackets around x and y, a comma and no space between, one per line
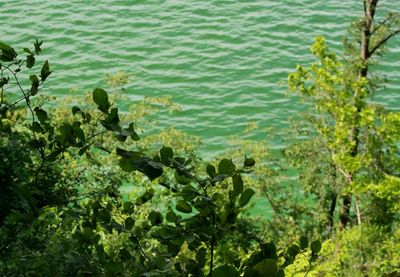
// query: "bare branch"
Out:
[382,42]
[383,22]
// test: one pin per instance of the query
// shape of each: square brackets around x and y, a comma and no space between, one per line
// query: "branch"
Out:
[391,17]
[382,42]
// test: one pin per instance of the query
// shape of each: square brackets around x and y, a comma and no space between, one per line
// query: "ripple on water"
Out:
[224,61]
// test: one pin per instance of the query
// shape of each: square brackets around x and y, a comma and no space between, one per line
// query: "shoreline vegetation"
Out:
[85,191]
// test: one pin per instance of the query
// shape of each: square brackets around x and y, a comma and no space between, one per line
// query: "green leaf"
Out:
[41,114]
[75,110]
[266,267]
[145,197]
[36,127]
[111,122]
[83,150]
[45,72]
[248,162]
[226,166]
[211,171]
[129,207]
[201,256]
[245,197]
[126,165]
[4,81]
[129,223]
[166,155]
[155,218]
[303,242]
[128,154]
[181,179]
[268,250]
[171,216]
[189,193]
[293,250]
[316,246]
[226,271]
[219,178]
[124,254]
[113,268]
[34,84]
[28,51]
[149,167]
[130,131]
[100,97]
[37,45]
[237,184]
[7,53]
[30,61]
[183,207]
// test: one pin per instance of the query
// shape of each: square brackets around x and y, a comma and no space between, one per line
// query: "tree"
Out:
[66,223]
[359,136]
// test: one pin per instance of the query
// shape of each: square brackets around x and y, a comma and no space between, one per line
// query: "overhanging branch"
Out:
[382,42]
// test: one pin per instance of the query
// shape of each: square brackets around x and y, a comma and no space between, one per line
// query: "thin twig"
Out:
[382,42]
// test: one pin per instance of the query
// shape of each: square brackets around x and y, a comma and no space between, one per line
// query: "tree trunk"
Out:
[367,28]
[331,213]
[344,216]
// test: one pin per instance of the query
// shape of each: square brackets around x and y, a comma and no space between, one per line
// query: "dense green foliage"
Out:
[84,193]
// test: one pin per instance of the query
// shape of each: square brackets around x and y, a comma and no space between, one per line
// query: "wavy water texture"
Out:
[225,62]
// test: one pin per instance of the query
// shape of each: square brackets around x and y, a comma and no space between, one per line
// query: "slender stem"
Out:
[212,245]
[383,41]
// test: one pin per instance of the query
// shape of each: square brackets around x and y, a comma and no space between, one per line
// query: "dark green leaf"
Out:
[166,155]
[189,193]
[245,197]
[155,218]
[225,271]
[45,72]
[126,165]
[128,154]
[171,216]
[28,51]
[248,162]
[237,184]
[4,81]
[293,250]
[219,178]
[75,110]
[83,150]
[149,167]
[129,223]
[211,171]
[36,127]
[181,179]
[124,254]
[37,45]
[100,97]
[268,251]
[111,122]
[315,246]
[226,166]
[129,207]
[34,84]
[30,61]
[201,256]
[303,242]
[266,267]
[183,206]
[41,114]
[130,132]
[7,53]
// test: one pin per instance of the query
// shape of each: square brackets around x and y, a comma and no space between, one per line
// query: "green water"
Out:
[224,62]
